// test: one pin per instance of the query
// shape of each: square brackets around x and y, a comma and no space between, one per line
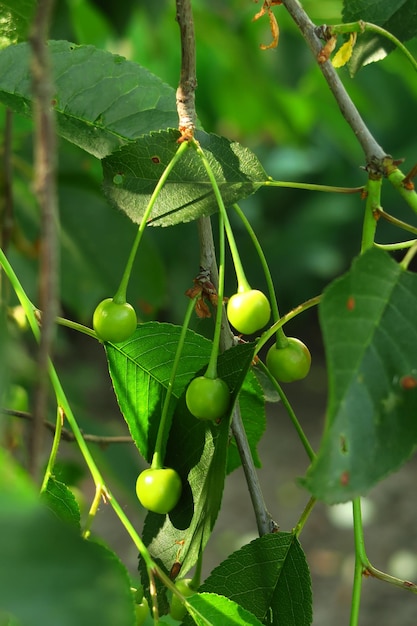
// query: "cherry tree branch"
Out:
[45,188]
[187,117]
[372,150]
[188,80]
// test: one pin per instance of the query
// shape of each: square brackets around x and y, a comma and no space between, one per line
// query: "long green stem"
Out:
[401,245]
[372,206]
[211,371]
[396,222]
[311,186]
[304,516]
[158,455]
[409,256]
[242,281]
[360,560]
[286,403]
[266,336]
[62,321]
[54,449]
[281,339]
[120,295]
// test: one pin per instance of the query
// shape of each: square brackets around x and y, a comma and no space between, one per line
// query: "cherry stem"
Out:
[196,579]
[265,337]
[242,281]
[409,256]
[211,371]
[120,295]
[281,338]
[54,450]
[311,187]
[395,221]
[62,321]
[372,207]
[286,403]
[158,455]
[224,224]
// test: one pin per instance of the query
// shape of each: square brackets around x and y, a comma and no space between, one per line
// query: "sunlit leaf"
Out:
[131,174]
[268,577]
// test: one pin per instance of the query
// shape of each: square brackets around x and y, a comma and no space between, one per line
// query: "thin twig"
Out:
[45,188]
[68,435]
[373,151]
[187,117]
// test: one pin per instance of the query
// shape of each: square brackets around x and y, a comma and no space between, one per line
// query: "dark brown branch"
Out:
[188,81]
[67,435]
[45,188]
[373,151]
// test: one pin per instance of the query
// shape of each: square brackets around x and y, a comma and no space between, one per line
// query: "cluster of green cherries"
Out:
[207,396]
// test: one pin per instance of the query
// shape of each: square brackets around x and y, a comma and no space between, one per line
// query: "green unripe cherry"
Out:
[248,311]
[113,321]
[141,612]
[207,398]
[289,363]
[159,490]
[177,610]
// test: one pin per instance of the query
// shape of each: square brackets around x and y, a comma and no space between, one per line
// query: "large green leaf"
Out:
[49,575]
[131,174]
[140,369]
[15,19]
[268,577]
[198,451]
[399,17]
[210,609]
[101,100]
[370,334]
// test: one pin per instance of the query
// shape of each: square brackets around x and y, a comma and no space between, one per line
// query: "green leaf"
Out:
[370,337]
[131,175]
[15,20]
[198,451]
[140,369]
[399,17]
[268,576]
[210,609]
[62,502]
[48,574]
[101,101]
